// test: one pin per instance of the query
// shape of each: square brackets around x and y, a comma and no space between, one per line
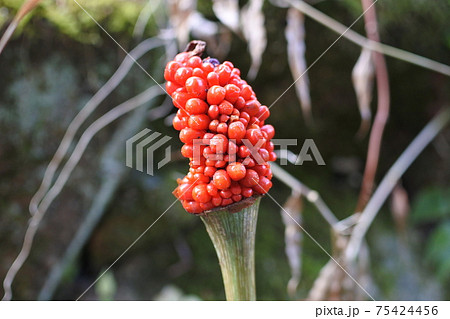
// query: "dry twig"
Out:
[87,110]
[366,43]
[376,134]
[391,179]
[90,132]
[311,195]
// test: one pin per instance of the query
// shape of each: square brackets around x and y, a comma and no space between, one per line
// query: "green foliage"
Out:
[68,18]
[438,250]
[432,205]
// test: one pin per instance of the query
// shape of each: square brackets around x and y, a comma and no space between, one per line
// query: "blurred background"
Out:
[59,58]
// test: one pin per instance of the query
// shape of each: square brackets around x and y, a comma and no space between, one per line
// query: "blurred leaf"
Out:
[438,250]
[400,207]
[252,25]
[295,36]
[227,11]
[106,286]
[362,76]
[431,205]
[180,14]
[292,217]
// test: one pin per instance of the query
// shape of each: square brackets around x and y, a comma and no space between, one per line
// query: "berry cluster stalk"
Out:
[233,236]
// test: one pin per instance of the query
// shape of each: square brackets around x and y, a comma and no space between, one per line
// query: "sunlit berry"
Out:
[221,179]
[236,171]
[215,94]
[196,86]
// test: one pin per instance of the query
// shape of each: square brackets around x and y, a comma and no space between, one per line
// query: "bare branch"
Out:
[87,110]
[389,181]
[26,8]
[112,172]
[366,43]
[35,219]
[376,134]
[311,195]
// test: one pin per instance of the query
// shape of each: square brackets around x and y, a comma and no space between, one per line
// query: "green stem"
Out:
[233,236]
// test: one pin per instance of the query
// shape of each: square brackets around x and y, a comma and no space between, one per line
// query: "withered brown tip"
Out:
[196,47]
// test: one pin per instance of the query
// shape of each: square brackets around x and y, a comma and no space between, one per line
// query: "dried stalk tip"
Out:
[196,48]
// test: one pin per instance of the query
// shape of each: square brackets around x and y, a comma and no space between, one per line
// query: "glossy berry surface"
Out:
[222,124]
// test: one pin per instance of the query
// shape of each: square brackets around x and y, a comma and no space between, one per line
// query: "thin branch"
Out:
[26,8]
[311,195]
[383,100]
[389,181]
[87,110]
[366,43]
[112,172]
[90,132]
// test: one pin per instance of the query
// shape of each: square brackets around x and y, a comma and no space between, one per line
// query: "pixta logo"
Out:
[217,150]
[147,141]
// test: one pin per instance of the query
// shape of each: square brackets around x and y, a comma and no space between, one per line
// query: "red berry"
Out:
[232,92]
[200,194]
[225,193]
[251,178]
[224,73]
[187,150]
[269,130]
[236,131]
[213,125]
[196,86]
[246,92]
[180,97]
[170,70]
[219,144]
[180,123]
[198,72]
[263,185]
[182,74]
[194,62]
[182,57]
[199,122]
[171,87]
[224,118]
[215,95]
[212,190]
[263,113]
[213,112]
[221,179]
[236,171]
[227,201]
[244,152]
[254,136]
[196,106]
[207,67]
[184,191]
[187,135]
[226,108]
[247,191]
[213,79]
[222,128]
[240,103]
[236,198]
[252,107]
[216,200]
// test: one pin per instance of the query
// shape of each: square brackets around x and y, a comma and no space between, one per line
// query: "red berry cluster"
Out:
[222,125]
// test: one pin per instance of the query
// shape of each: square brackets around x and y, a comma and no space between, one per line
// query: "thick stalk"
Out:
[233,236]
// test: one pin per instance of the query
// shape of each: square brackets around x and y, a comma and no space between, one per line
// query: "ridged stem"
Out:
[233,236]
